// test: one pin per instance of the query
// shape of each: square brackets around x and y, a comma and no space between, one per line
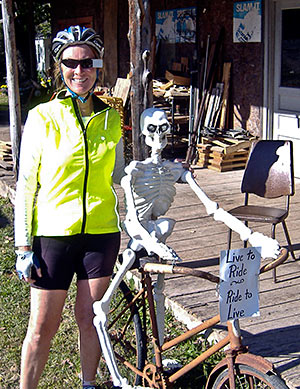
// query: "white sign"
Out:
[238,289]
[176,25]
[247,21]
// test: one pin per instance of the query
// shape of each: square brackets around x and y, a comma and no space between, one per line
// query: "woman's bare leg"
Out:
[45,314]
[88,291]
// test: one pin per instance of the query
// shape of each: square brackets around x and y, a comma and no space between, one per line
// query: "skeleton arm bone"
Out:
[270,247]
[135,229]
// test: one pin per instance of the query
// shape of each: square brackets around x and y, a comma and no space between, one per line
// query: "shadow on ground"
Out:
[4,118]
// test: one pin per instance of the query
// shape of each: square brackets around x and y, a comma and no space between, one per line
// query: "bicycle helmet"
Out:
[75,35]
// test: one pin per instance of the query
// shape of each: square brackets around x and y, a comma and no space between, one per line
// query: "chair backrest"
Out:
[269,171]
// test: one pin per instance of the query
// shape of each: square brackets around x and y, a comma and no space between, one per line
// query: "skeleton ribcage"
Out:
[154,192]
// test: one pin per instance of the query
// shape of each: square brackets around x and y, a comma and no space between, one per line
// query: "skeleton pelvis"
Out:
[161,228]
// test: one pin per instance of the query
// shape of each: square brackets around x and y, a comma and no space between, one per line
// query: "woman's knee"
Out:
[42,331]
[84,319]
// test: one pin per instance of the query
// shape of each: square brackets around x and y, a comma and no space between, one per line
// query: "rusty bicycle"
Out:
[131,342]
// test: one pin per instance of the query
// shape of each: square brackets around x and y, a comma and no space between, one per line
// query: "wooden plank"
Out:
[167,85]
[110,29]
[226,81]
[6,165]
[228,145]
[235,147]
[226,168]
[177,78]
[122,89]
[223,161]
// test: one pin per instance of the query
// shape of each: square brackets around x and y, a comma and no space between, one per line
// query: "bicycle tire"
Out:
[247,377]
[130,344]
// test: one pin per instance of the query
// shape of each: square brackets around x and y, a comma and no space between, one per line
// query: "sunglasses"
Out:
[73,63]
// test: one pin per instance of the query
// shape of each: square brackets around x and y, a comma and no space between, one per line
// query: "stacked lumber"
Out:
[5,151]
[224,154]
[169,89]
[6,160]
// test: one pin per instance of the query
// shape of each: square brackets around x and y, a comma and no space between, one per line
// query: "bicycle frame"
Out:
[236,354]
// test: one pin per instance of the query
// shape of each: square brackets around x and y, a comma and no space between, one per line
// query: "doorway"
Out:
[286,82]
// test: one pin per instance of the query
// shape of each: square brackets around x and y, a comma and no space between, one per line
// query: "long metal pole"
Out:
[12,80]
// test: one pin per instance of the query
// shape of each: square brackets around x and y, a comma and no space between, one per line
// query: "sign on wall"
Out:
[247,21]
[176,25]
[238,289]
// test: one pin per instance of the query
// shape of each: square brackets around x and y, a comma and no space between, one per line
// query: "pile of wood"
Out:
[169,89]
[224,154]
[6,160]
[5,151]
[210,95]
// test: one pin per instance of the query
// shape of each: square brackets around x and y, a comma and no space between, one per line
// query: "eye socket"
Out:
[164,127]
[151,128]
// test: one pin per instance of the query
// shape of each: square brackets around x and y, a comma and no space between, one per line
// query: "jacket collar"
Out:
[99,105]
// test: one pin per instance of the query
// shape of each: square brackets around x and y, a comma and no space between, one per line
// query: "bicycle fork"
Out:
[235,348]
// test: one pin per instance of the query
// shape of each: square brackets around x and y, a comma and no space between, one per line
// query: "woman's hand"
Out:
[25,260]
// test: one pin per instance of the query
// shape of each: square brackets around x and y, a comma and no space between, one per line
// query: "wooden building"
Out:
[259,39]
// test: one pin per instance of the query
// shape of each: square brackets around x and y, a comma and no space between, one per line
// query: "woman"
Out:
[66,219]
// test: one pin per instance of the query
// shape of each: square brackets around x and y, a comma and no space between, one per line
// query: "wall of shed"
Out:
[246,92]
[247,64]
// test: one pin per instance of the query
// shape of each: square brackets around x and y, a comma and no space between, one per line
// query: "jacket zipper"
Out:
[77,112]
[86,165]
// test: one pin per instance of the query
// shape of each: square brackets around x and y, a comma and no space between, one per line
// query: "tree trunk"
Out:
[139,36]
[12,80]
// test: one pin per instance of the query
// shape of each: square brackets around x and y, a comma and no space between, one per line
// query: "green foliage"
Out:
[3,102]
[41,15]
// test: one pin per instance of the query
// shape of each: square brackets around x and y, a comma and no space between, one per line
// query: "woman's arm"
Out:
[30,155]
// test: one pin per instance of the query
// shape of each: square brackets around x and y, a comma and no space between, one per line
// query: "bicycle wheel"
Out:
[248,377]
[127,335]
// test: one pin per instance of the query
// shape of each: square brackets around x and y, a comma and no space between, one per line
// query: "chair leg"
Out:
[273,237]
[288,240]
[229,239]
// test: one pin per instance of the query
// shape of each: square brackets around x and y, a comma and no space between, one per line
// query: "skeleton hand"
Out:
[269,247]
[162,250]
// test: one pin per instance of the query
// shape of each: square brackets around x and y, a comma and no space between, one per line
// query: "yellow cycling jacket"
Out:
[65,179]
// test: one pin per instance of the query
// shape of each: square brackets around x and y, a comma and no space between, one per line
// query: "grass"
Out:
[3,102]
[63,367]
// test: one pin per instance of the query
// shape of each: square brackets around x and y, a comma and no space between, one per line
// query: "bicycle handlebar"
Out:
[278,261]
[174,269]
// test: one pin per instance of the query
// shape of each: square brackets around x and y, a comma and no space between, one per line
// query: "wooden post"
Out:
[12,80]
[139,36]
[110,35]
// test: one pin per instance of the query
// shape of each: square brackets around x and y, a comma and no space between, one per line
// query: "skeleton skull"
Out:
[155,126]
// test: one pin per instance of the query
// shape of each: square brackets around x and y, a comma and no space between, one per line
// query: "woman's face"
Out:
[79,79]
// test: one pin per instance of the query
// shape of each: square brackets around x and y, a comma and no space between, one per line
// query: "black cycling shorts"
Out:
[88,256]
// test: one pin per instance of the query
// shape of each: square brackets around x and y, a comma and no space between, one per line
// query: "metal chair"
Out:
[268,174]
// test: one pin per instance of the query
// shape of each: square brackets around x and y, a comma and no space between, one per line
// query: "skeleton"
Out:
[149,188]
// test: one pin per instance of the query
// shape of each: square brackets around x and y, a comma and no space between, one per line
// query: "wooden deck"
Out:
[198,239]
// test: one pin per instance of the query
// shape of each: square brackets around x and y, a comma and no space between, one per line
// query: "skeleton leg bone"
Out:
[101,309]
